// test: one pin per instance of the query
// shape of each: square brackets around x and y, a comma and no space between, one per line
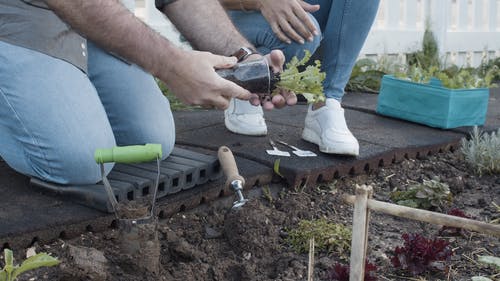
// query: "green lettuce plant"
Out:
[308,82]
[10,272]
[451,78]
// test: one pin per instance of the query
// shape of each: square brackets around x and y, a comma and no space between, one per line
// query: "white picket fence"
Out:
[466,30]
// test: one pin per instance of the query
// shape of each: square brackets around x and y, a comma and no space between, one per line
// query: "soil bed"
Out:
[214,243]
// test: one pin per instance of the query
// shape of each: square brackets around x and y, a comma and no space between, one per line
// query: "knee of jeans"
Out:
[74,166]
[298,50]
[314,44]
[161,132]
[167,141]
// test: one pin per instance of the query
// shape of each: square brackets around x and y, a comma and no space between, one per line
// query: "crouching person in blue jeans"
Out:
[78,75]
[292,26]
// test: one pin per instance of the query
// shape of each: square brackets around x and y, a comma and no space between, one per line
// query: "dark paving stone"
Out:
[360,101]
[194,120]
[382,141]
[27,215]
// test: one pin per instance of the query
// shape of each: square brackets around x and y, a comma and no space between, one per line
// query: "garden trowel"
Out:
[234,180]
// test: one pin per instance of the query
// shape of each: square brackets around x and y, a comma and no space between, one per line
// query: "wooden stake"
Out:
[427,216]
[310,267]
[359,240]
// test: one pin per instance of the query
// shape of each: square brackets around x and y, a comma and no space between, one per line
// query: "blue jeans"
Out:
[53,116]
[344,25]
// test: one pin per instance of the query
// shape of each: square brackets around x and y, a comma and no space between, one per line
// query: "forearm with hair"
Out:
[112,26]
[206,26]
[240,4]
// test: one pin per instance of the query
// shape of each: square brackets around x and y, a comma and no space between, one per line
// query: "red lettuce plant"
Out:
[340,272]
[420,254]
[454,231]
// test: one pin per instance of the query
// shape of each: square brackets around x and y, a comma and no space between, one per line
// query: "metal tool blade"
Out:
[299,152]
[276,151]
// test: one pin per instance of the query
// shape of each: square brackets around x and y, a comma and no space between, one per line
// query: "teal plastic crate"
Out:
[432,104]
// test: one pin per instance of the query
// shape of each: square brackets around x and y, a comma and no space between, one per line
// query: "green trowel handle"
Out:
[128,154]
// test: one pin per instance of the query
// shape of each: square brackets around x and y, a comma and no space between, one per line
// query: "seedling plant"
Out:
[340,272]
[10,272]
[426,195]
[420,254]
[308,83]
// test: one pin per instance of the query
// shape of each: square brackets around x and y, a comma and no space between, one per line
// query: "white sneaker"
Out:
[244,118]
[327,128]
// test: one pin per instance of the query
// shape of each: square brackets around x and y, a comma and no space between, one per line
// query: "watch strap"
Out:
[243,53]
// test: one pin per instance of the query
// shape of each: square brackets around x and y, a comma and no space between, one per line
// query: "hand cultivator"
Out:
[127,155]
[137,226]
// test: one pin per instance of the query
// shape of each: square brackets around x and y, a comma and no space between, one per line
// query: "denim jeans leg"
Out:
[345,25]
[257,31]
[136,108]
[51,118]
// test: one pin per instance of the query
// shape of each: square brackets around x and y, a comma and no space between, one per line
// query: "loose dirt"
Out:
[215,243]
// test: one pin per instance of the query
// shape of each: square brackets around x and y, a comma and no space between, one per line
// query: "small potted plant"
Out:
[300,76]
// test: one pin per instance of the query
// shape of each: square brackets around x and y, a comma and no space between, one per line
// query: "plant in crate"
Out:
[429,94]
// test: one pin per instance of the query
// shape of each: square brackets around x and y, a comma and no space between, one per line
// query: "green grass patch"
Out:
[328,236]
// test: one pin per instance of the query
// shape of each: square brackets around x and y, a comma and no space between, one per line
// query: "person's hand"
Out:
[289,19]
[275,59]
[194,80]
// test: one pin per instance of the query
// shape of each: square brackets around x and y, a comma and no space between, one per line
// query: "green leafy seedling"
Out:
[426,195]
[309,82]
[276,167]
[10,272]
[267,194]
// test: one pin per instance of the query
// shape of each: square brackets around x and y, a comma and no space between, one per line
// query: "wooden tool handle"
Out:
[228,164]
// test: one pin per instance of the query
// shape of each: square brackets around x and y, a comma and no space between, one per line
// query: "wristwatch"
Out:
[243,53]
[162,3]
